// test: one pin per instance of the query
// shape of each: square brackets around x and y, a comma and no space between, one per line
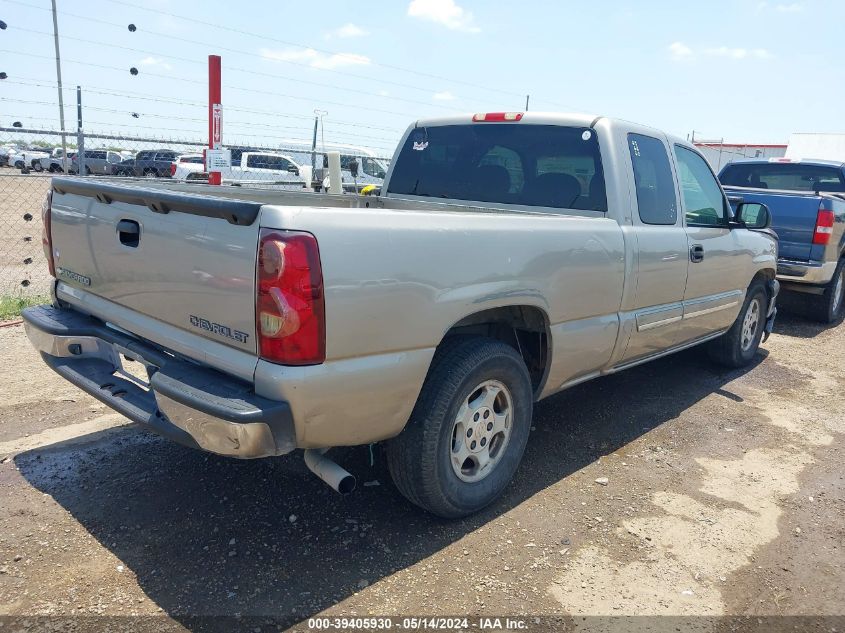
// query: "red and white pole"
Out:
[215,112]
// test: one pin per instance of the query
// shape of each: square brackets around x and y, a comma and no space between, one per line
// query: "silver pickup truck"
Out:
[508,257]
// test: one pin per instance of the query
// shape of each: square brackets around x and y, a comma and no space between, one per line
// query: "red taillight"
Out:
[289,308]
[824,226]
[497,117]
[172,169]
[46,231]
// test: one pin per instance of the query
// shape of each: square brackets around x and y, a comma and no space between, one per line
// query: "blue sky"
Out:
[743,70]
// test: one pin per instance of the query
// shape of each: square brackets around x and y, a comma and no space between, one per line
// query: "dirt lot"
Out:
[725,494]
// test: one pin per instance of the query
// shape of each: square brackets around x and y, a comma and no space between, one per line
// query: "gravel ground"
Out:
[675,488]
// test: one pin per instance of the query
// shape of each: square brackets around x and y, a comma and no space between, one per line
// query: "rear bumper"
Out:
[189,404]
[818,273]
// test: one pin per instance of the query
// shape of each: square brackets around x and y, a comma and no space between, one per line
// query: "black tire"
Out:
[37,166]
[54,169]
[735,348]
[420,458]
[150,173]
[19,164]
[829,307]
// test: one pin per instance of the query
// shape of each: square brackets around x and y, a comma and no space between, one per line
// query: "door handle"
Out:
[129,233]
[696,253]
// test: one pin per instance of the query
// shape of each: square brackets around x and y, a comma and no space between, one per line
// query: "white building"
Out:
[719,153]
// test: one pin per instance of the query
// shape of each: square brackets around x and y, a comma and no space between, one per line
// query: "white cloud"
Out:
[738,53]
[383,93]
[679,51]
[444,12]
[792,7]
[154,61]
[443,96]
[346,31]
[314,58]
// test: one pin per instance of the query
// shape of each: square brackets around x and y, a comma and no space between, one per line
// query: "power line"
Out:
[99,90]
[328,52]
[245,70]
[404,115]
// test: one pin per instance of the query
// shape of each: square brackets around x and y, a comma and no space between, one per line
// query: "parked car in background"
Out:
[247,166]
[154,163]
[55,161]
[97,162]
[370,171]
[511,256]
[188,167]
[371,168]
[807,202]
[29,158]
[5,152]
[125,167]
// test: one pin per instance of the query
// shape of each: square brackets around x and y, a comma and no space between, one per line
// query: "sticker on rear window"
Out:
[420,145]
[587,135]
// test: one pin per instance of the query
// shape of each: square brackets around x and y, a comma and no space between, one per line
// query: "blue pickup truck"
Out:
[807,202]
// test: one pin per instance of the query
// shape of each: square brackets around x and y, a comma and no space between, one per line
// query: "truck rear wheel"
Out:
[829,307]
[738,346]
[468,431]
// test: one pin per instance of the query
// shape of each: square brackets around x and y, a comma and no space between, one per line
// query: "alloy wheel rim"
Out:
[750,323]
[481,431]
[838,291]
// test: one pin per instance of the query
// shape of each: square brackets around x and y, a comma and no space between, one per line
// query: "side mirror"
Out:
[353,168]
[754,215]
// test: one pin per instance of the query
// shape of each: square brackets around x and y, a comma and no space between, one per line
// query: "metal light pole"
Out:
[59,83]
[80,135]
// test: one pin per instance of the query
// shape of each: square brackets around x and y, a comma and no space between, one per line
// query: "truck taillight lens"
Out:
[172,169]
[290,309]
[824,226]
[47,232]
[497,117]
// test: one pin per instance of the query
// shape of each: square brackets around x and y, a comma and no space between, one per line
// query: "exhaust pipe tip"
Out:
[347,484]
[337,477]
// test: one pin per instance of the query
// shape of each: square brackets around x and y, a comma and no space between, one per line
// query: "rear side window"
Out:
[265,161]
[656,199]
[507,163]
[166,156]
[785,176]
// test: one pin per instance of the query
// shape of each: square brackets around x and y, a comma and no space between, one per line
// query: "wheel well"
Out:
[525,328]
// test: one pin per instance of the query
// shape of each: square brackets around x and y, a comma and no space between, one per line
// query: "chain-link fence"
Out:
[30,157]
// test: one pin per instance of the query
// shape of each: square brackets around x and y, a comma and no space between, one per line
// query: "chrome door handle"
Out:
[696,253]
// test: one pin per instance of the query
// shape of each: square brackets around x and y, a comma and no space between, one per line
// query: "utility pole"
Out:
[314,151]
[59,84]
[80,135]
[215,114]
[527,98]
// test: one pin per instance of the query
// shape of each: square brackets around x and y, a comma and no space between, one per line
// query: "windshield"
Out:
[784,176]
[534,165]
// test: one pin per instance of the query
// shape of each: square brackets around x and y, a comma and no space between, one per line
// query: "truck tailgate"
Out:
[793,218]
[185,260]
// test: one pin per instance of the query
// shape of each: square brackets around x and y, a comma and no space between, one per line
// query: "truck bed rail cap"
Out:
[240,212]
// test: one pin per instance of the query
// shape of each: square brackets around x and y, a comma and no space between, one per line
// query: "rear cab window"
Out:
[656,198]
[533,165]
[784,176]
